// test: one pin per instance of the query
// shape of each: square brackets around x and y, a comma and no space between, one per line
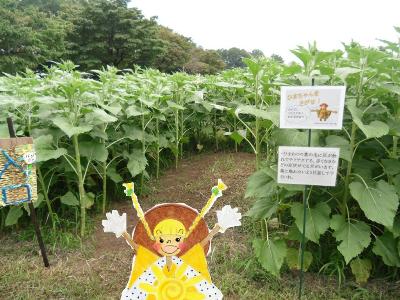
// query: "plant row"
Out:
[92,131]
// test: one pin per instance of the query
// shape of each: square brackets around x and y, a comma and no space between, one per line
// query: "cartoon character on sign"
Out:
[323,112]
[171,242]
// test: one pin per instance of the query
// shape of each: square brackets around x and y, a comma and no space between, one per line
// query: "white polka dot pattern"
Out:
[210,291]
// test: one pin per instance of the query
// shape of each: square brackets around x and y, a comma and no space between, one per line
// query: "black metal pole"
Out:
[303,237]
[11,130]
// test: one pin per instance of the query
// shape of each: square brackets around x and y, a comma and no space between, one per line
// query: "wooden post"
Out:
[31,208]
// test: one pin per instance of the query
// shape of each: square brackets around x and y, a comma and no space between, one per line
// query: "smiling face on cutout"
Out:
[169,237]
[169,244]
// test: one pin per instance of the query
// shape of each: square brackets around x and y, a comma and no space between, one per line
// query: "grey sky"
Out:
[276,26]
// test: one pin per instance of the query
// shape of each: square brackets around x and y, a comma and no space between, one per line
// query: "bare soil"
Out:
[191,184]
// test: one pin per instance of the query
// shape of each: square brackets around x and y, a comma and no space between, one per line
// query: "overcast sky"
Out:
[276,26]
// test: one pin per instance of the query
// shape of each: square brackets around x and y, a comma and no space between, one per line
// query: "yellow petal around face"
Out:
[148,288]
[221,186]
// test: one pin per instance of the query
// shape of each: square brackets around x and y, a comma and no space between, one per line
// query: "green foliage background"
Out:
[96,33]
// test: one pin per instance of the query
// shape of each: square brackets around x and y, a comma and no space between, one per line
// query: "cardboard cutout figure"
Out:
[171,242]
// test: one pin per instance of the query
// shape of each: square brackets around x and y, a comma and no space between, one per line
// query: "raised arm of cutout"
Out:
[216,192]
[218,189]
[115,223]
[130,192]
[228,217]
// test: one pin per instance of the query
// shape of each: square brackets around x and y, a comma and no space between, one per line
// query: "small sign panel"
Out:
[17,171]
[312,107]
[308,165]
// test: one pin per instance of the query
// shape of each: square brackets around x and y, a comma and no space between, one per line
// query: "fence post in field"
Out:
[11,131]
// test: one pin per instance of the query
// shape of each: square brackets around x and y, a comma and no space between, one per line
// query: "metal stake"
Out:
[303,237]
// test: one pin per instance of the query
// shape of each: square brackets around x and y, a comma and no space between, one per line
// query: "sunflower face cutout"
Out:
[171,242]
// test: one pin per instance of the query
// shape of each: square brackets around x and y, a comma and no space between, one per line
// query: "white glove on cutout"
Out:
[228,217]
[115,223]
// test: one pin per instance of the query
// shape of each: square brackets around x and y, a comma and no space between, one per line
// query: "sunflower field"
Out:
[93,131]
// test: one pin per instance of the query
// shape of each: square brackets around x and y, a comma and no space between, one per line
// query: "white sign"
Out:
[308,165]
[312,107]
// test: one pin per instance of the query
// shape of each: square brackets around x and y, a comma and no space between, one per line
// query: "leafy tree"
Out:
[257,53]
[95,33]
[110,33]
[176,52]
[51,6]
[204,62]
[277,58]
[233,57]
[28,37]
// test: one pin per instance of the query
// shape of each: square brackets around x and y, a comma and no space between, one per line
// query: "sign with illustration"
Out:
[312,107]
[17,171]
[308,165]
[171,242]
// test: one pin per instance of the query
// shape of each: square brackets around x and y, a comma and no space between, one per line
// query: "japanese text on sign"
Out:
[312,107]
[308,165]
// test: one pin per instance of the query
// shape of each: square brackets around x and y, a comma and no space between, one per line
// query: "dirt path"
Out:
[100,268]
[191,184]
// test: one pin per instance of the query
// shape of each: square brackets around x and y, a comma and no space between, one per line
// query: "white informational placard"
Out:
[312,107]
[308,165]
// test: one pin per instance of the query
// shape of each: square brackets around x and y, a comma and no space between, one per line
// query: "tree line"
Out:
[94,33]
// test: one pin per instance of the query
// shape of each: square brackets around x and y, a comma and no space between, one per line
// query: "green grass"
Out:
[80,270]
[241,277]
[77,273]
